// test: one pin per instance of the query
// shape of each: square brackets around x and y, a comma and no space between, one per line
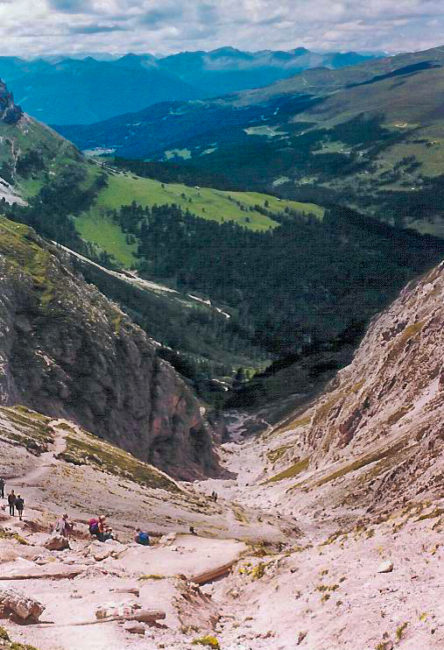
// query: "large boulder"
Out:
[14,603]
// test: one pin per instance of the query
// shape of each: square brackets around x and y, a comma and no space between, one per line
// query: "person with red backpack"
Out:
[93,526]
[99,529]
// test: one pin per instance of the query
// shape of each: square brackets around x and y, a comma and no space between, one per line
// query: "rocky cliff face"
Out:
[66,350]
[10,113]
[379,428]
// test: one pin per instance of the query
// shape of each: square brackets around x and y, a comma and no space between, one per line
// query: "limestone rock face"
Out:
[385,410]
[375,436]
[10,113]
[65,350]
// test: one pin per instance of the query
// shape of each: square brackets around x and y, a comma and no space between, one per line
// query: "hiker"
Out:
[93,526]
[142,537]
[107,534]
[19,504]
[2,488]
[63,526]
[99,529]
[214,496]
[11,501]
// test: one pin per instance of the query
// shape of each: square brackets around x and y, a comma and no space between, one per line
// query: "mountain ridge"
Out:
[355,136]
[105,88]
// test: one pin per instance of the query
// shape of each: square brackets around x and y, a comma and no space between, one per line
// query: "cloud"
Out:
[32,27]
[70,6]
[95,29]
[163,15]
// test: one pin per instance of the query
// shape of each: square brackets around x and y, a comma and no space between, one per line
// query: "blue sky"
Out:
[33,27]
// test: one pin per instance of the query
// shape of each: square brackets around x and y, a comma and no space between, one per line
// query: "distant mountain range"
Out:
[83,91]
[370,136]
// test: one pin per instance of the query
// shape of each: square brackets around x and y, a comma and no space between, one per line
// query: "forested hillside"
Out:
[303,281]
[357,136]
[278,278]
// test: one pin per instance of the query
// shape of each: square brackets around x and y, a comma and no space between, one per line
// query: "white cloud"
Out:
[32,27]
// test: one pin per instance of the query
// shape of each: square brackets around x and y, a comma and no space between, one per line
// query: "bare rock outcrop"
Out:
[67,351]
[391,398]
[56,543]
[10,113]
[383,414]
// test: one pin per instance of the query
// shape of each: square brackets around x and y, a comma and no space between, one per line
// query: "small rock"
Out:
[56,543]
[301,637]
[165,540]
[386,567]
[134,627]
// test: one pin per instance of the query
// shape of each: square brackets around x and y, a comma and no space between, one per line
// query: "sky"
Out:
[35,27]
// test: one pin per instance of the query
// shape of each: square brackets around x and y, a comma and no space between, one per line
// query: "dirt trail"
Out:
[46,460]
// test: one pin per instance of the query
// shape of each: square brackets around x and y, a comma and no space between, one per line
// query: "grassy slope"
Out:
[29,135]
[217,205]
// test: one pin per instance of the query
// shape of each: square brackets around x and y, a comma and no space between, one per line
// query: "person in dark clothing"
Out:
[11,502]
[19,504]
[2,488]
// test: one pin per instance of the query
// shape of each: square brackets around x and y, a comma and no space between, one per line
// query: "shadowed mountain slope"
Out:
[68,351]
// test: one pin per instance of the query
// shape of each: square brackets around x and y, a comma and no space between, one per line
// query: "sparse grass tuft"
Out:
[30,429]
[400,631]
[4,636]
[87,450]
[209,641]
[256,572]
[5,534]
[380,454]
[292,471]
[399,342]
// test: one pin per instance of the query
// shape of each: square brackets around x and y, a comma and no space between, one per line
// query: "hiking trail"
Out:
[47,459]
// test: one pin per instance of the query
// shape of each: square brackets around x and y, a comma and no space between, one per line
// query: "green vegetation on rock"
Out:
[209,641]
[292,471]
[84,449]
[30,429]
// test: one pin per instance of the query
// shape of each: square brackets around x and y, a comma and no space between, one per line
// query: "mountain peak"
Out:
[10,113]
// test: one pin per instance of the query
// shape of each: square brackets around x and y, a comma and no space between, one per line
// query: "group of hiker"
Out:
[98,526]
[15,501]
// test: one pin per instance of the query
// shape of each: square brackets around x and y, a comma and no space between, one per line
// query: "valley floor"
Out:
[304,573]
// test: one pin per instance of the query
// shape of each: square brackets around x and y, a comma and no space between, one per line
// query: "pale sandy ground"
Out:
[318,589]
